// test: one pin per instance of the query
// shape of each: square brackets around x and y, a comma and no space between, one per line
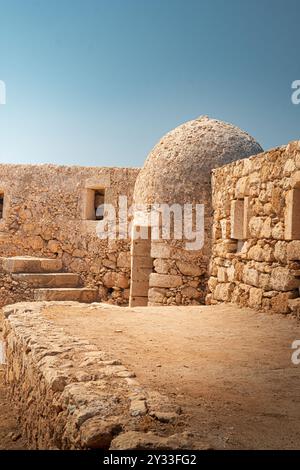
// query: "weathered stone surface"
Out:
[113,279]
[188,269]
[123,260]
[164,280]
[191,292]
[255,297]
[265,270]
[63,294]
[23,264]
[293,250]
[43,219]
[223,292]
[251,276]
[162,266]
[48,280]
[98,434]
[160,250]
[282,280]
[156,295]
[141,441]
[69,395]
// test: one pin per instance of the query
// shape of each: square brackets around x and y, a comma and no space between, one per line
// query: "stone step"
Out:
[77,295]
[30,264]
[48,279]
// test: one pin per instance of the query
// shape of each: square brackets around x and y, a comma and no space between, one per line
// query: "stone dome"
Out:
[178,169]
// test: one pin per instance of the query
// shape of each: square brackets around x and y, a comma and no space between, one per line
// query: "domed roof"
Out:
[179,166]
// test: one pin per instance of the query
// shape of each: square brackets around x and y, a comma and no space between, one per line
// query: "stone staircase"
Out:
[44,276]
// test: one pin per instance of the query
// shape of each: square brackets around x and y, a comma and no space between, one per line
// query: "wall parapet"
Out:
[70,395]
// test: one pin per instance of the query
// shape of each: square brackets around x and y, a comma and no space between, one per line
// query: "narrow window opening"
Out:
[237,219]
[1,205]
[99,199]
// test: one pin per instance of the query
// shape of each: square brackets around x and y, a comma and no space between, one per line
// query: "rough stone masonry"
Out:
[256,248]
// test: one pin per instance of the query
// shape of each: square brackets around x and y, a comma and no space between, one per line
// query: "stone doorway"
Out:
[141,266]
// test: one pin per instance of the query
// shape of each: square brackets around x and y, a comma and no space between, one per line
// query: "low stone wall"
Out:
[70,395]
[256,250]
[179,277]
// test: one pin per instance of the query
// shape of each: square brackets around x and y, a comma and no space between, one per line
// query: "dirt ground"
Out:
[229,369]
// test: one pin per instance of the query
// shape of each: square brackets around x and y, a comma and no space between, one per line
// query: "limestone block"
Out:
[216,230]
[140,247]
[265,281]
[189,269]
[139,289]
[88,204]
[212,283]
[99,182]
[255,297]
[191,293]
[123,260]
[162,266]
[54,246]
[242,187]
[251,276]
[156,295]
[85,295]
[294,304]
[256,253]
[295,179]
[289,167]
[138,301]
[164,280]
[225,228]
[225,247]
[222,274]
[22,264]
[113,279]
[160,250]
[48,279]
[140,440]
[141,262]
[223,292]
[280,302]
[141,274]
[261,252]
[231,273]
[282,280]
[266,229]
[255,226]
[277,200]
[239,270]
[247,217]
[278,231]
[281,250]
[96,433]
[293,250]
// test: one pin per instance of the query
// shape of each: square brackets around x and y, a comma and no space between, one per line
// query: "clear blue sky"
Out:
[98,82]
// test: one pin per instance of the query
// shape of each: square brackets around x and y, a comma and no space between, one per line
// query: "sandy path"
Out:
[230,369]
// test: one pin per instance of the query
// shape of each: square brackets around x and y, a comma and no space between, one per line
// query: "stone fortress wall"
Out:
[251,257]
[47,211]
[256,234]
